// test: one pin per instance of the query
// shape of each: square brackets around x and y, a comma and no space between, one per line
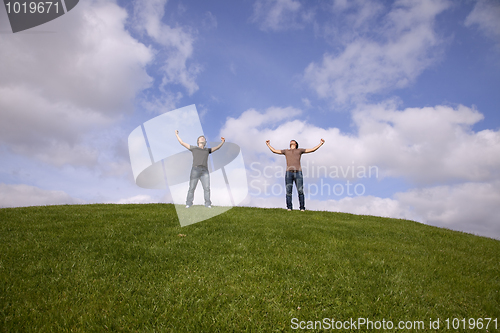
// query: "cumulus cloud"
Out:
[258,126]
[49,131]
[404,46]
[428,145]
[431,145]
[59,88]
[433,148]
[279,15]
[486,17]
[469,207]
[25,195]
[56,87]
[90,60]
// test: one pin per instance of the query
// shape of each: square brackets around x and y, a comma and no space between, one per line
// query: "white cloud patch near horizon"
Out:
[21,195]
[137,199]
[433,148]
[469,207]
[406,45]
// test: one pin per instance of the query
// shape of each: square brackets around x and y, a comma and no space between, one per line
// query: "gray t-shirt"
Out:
[200,155]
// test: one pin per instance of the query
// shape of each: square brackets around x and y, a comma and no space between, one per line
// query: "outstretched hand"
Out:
[176,131]
[268,141]
[322,141]
[222,139]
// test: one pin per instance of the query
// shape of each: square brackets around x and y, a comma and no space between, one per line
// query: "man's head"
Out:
[294,144]
[201,142]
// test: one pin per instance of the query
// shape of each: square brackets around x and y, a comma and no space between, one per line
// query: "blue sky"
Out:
[408,87]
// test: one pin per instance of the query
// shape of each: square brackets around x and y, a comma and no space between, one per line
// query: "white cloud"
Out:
[25,195]
[279,15]
[90,60]
[360,205]
[252,123]
[252,129]
[406,45]
[428,145]
[307,103]
[365,205]
[351,19]
[433,148]
[175,44]
[167,101]
[142,198]
[486,16]
[49,131]
[57,87]
[422,145]
[469,207]
[209,21]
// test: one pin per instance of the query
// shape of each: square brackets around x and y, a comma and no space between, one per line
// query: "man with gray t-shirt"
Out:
[293,172]
[199,171]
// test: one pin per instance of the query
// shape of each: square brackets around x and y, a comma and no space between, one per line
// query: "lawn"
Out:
[97,268]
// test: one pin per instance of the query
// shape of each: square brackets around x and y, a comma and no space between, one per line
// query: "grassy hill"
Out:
[96,268]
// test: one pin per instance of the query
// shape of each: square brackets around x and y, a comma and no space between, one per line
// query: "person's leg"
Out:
[300,189]
[205,182]
[193,181]
[288,188]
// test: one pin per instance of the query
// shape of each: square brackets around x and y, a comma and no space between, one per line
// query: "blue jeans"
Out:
[201,173]
[297,178]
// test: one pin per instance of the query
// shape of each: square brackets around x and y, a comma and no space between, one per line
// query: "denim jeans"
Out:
[201,173]
[290,178]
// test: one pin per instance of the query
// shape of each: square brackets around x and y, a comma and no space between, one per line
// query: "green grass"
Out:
[96,268]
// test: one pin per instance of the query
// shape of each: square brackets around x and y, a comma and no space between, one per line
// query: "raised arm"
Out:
[220,144]
[180,141]
[268,143]
[310,150]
